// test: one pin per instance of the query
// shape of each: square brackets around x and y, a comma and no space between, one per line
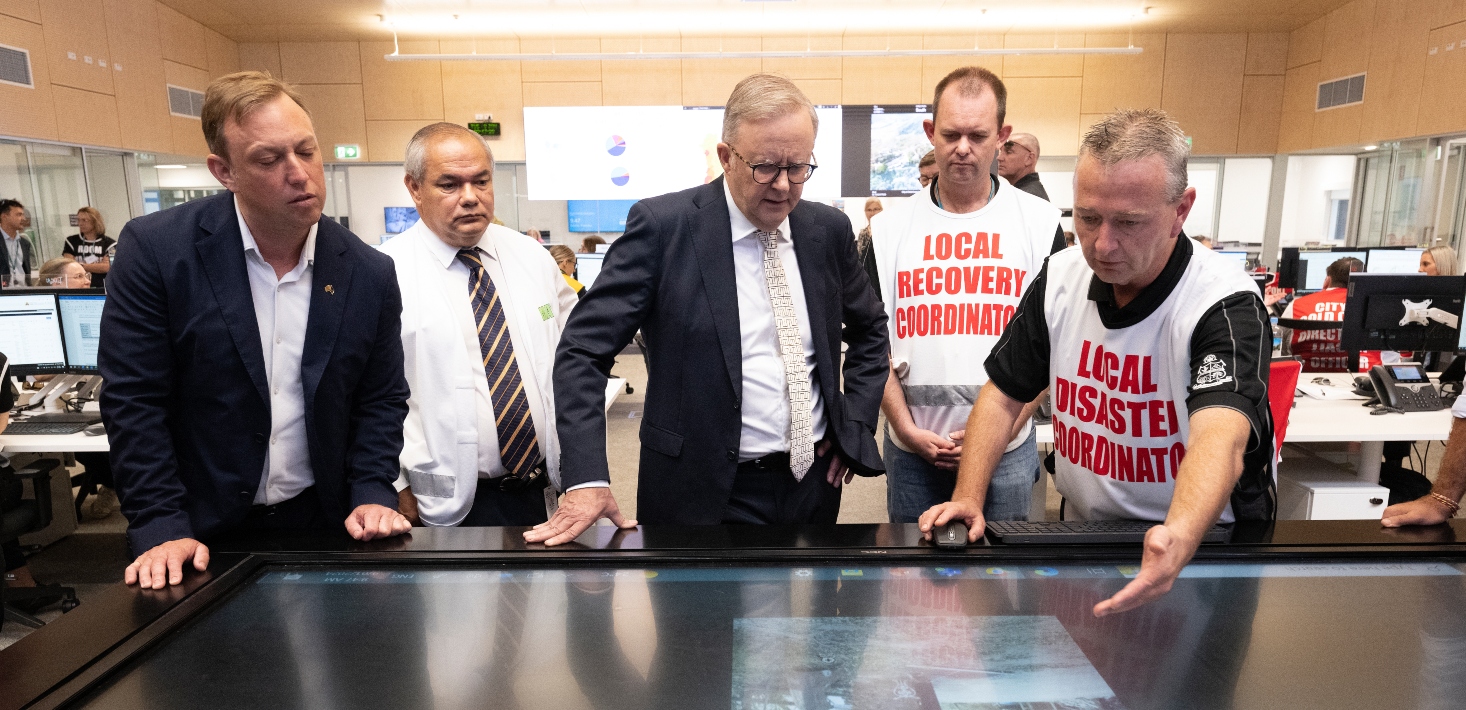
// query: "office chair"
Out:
[18,517]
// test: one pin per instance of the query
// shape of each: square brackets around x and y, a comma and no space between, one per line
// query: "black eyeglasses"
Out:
[767,173]
[1010,145]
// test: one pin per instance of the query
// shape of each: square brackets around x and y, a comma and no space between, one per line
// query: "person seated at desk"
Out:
[1319,350]
[1439,261]
[252,350]
[565,259]
[1132,329]
[482,309]
[64,272]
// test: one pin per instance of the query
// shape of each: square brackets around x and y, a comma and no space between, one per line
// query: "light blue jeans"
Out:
[913,485]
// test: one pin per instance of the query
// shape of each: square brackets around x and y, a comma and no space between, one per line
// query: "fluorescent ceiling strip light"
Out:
[802,54]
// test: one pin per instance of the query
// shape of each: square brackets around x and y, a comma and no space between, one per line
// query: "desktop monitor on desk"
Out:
[1238,256]
[51,331]
[1313,267]
[588,267]
[1375,313]
[1385,260]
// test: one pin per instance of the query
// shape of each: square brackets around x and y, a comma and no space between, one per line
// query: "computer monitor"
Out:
[30,333]
[1238,256]
[1313,266]
[81,328]
[1393,261]
[588,267]
[1375,309]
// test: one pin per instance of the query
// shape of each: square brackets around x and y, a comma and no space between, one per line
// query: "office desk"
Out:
[81,442]
[764,616]
[1345,420]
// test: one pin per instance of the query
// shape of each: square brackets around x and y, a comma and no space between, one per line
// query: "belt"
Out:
[777,461]
[531,480]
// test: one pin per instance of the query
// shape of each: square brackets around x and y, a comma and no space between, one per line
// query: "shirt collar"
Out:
[742,228]
[307,253]
[1149,299]
[446,254]
[10,238]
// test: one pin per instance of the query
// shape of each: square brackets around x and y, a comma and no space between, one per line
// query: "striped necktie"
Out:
[791,351]
[518,449]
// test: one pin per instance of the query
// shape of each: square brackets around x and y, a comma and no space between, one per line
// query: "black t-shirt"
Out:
[86,252]
[1236,330]
[7,390]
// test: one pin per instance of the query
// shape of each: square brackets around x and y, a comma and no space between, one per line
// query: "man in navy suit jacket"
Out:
[744,294]
[251,351]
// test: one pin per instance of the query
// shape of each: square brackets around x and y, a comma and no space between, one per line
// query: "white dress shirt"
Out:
[450,439]
[16,255]
[282,307]
[765,398]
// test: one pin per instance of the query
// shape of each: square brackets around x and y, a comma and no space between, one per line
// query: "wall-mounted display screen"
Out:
[597,215]
[399,219]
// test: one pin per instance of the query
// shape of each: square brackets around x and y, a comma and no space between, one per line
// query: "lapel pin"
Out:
[330,289]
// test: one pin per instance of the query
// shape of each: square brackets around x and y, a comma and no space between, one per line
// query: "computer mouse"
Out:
[953,535]
[95,430]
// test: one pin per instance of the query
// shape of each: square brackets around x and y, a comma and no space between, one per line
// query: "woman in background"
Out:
[91,248]
[1439,261]
[565,259]
[63,272]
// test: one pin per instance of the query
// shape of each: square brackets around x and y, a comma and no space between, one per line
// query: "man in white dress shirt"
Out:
[482,308]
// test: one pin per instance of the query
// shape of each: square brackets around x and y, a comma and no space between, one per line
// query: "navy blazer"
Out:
[671,274]
[185,401]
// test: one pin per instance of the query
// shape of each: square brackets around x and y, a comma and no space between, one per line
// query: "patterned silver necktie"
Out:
[791,350]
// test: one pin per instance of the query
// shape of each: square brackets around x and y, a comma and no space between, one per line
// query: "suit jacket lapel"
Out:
[221,249]
[712,238]
[809,250]
[330,290]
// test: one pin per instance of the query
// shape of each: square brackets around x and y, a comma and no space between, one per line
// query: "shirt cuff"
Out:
[401,483]
[592,484]
[1227,400]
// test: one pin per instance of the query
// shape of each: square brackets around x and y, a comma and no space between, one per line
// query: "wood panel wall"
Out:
[101,70]
[1236,94]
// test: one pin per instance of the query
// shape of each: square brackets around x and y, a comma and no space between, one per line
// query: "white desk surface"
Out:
[80,442]
[1317,420]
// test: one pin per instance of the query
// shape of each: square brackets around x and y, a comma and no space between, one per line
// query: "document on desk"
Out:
[1328,392]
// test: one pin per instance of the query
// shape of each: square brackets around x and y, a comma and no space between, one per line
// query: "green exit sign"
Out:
[487,129]
[348,152]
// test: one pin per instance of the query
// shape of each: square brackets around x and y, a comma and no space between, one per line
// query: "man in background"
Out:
[1018,164]
[16,258]
[927,168]
[1320,350]
[481,304]
[954,261]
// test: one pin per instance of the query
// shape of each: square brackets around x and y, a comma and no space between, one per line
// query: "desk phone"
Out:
[1405,386]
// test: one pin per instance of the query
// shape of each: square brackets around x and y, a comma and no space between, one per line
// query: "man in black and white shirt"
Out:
[1129,331]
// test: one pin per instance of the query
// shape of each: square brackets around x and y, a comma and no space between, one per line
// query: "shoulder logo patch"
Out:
[1212,372]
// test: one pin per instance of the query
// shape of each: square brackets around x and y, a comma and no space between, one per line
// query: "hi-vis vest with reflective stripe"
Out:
[1119,396]
[951,284]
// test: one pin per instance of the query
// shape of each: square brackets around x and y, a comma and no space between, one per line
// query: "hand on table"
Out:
[579,509]
[1423,511]
[1165,555]
[839,473]
[372,521]
[163,565]
[968,511]
[938,450]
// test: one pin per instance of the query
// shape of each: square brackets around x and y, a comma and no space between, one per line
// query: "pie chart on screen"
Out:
[619,177]
[615,145]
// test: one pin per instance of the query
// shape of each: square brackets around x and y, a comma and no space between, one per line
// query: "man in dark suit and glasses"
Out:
[743,293]
[252,351]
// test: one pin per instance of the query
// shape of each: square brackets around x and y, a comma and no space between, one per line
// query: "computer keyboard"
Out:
[1022,532]
[44,428]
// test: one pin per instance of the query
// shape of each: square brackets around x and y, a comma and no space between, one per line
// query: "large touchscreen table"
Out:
[1310,634]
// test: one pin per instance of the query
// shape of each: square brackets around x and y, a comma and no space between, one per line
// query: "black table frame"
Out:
[62,662]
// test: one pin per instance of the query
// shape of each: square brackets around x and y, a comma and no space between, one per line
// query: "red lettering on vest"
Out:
[944,246]
[1084,360]
[964,246]
[926,250]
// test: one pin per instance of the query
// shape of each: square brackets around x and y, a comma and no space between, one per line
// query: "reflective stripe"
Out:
[431,485]
[941,395]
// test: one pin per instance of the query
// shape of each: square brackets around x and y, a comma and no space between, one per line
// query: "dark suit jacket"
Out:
[671,275]
[185,401]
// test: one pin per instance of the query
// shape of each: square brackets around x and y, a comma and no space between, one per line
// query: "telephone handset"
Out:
[1405,386]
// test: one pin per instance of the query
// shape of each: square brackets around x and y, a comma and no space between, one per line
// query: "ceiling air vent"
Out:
[185,102]
[1340,92]
[15,67]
